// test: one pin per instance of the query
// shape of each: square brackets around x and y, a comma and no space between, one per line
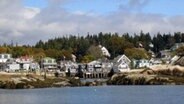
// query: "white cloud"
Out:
[27,25]
[30,12]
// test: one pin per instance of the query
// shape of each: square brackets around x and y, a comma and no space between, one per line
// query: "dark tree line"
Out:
[115,43]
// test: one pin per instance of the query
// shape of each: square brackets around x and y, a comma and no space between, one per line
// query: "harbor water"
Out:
[96,95]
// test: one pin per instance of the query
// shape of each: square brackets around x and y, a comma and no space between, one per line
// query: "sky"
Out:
[28,21]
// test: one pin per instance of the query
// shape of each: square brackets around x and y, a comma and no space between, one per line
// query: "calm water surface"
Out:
[96,95]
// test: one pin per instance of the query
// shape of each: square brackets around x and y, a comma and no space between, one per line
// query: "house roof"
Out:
[117,61]
[94,62]
[48,58]
[165,52]
[120,57]
[105,52]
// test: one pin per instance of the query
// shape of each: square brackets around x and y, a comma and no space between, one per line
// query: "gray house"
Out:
[94,66]
[121,63]
[69,66]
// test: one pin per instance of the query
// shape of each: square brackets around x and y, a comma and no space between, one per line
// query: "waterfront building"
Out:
[3,59]
[142,63]
[25,62]
[121,63]
[49,63]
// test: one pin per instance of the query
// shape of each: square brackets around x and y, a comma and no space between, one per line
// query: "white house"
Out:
[5,57]
[121,64]
[34,66]
[141,63]
[155,61]
[3,60]
[105,52]
[12,66]
[74,58]
[25,62]
[69,66]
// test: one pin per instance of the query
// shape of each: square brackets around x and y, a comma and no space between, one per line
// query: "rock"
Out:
[61,84]
[24,78]
[17,80]
[114,76]
[30,87]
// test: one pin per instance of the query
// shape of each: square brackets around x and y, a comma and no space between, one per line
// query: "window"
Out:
[6,56]
[49,61]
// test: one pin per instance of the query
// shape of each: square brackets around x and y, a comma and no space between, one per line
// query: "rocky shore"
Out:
[174,76]
[29,81]
[164,76]
[25,82]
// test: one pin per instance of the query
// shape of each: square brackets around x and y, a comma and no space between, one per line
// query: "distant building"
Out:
[151,53]
[48,63]
[94,66]
[74,58]
[12,65]
[67,66]
[107,66]
[140,63]
[105,52]
[166,56]
[3,59]
[34,66]
[25,62]
[155,61]
[176,46]
[121,63]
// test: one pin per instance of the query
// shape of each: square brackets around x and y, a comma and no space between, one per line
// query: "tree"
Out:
[87,58]
[3,49]
[136,53]
[177,37]
[40,44]
[18,51]
[116,45]
[95,51]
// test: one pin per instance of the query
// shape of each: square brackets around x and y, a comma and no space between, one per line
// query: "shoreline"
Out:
[166,76]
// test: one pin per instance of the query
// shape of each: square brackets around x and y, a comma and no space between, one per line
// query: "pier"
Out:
[95,75]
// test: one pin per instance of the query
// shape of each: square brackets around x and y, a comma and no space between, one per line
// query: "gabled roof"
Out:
[120,57]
